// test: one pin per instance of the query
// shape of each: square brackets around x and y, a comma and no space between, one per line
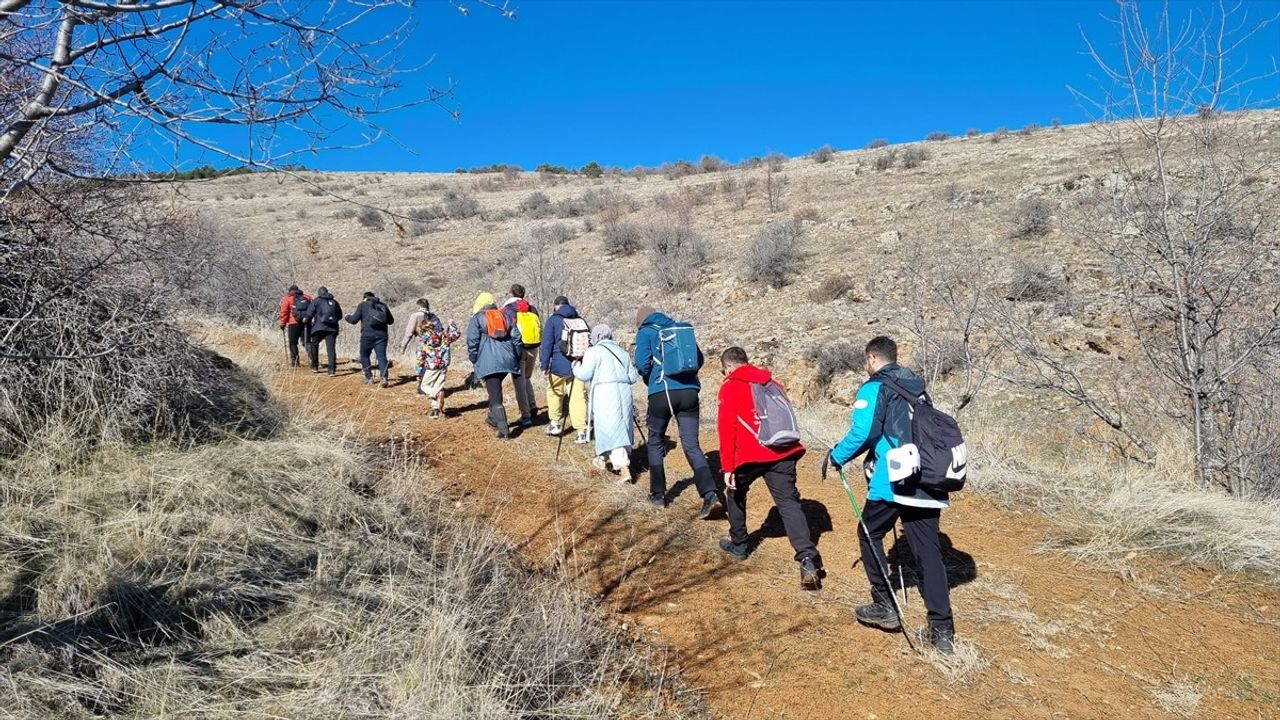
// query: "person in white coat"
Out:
[611,373]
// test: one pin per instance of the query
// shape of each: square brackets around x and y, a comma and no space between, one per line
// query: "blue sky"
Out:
[627,83]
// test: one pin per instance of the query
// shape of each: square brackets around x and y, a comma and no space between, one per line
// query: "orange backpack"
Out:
[496,324]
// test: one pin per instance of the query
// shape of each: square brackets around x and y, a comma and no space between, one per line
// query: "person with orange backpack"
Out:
[294,307]
[521,313]
[494,347]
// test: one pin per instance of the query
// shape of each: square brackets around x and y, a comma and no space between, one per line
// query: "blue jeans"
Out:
[685,404]
[370,345]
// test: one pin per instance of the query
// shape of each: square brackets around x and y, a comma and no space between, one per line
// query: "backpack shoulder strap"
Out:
[911,399]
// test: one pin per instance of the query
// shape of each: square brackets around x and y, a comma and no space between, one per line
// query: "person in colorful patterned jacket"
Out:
[434,355]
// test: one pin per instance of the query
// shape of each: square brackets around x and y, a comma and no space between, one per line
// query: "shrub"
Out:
[835,357]
[808,213]
[427,214]
[511,173]
[937,136]
[621,238]
[1056,123]
[834,287]
[400,288]
[1029,129]
[1000,134]
[592,170]
[460,206]
[553,234]
[711,163]
[914,157]
[775,256]
[1036,282]
[822,154]
[885,160]
[678,169]
[972,132]
[775,161]
[372,219]
[1032,217]
[677,252]
[345,213]
[877,144]
[537,204]
[549,169]
[315,191]
[300,213]
[312,245]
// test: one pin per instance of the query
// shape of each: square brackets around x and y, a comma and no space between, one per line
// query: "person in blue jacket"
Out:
[671,397]
[881,422]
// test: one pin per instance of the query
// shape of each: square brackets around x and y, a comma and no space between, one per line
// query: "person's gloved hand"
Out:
[826,462]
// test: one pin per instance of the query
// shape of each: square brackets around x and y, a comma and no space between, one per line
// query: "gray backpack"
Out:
[779,427]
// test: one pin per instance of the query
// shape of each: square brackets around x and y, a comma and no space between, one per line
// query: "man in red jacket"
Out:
[293,320]
[744,460]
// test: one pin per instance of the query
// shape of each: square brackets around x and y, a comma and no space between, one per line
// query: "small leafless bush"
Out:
[823,154]
[1032,217]
[808,213]
[1000,134]
[536,204]
[1036,282]
[776,254]
[833,358]
[1056,123]
[345,213]
[460,206]
[884,160]
[622,238]
[877,144]
[426,214]
[775,161]
[315,191]
[914,157]
[1029,129]
[396,289]
[711,163]
[678,253]
[937,136]
[554,234]
[372,219]
[972,132]
[834,287]
[312,245]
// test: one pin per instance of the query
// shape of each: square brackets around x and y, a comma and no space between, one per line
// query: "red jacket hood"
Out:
[751,374]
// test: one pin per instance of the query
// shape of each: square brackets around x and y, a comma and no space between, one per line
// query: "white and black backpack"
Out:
[944,459]
[779,427]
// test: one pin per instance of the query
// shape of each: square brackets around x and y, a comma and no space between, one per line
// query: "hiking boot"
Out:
[582,439]
[809,579]
[657,501]
[333,374]
[941,638]
[737,551]
[490,422]
[525,422]
[368,380]
[316,370]
[554,429]
[877,615]
[435,414]
[384,384]
[709,503]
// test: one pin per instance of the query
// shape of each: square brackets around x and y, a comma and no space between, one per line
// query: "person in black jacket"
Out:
[374,318]
[324,317]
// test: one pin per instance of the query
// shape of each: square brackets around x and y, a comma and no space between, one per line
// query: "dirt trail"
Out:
[1051,638]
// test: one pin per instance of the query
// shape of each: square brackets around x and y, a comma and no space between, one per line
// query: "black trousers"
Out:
[497,411]
[295,334]
[330,340]
[371,345]
[921,528]
[685,405]
[780,478]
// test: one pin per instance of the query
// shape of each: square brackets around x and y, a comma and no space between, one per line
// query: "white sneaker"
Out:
[598,463]
[554,429]
[582,439]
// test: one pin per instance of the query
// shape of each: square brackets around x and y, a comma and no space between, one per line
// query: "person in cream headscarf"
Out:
[611,373]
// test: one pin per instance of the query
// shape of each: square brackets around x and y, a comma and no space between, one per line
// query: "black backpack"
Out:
[327,310]
[378,313]
[300,307]
[944,460]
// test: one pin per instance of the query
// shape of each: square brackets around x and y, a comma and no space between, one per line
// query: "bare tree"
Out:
[1190,230]
[295,77]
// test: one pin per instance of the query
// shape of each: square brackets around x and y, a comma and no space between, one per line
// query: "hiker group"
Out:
[913,455]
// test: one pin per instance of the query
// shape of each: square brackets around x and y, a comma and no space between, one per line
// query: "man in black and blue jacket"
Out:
[881,422]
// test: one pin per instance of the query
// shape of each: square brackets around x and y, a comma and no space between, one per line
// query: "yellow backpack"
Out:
[529,323]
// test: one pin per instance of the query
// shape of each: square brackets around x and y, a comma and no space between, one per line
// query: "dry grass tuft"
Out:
[964,667]
[299,577]
[1178,697]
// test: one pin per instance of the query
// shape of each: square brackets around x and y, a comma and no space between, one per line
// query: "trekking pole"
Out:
[902,577]
[636,419]
[884,572]
[564,412]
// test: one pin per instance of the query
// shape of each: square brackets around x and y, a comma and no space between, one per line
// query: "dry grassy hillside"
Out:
[872,240]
